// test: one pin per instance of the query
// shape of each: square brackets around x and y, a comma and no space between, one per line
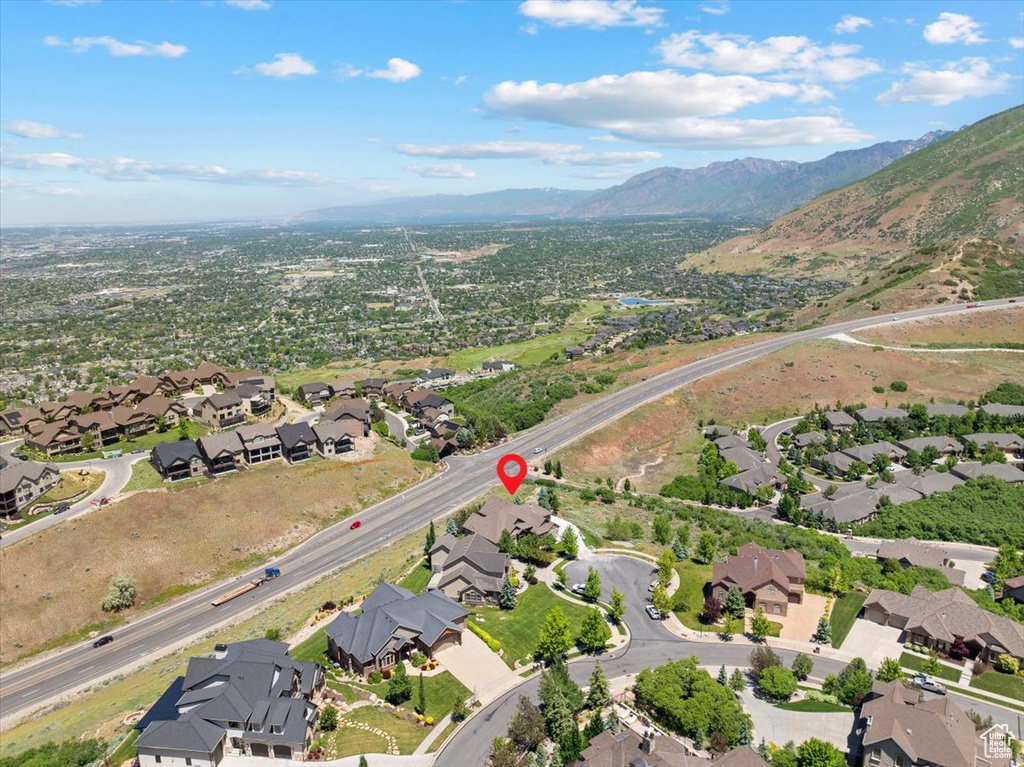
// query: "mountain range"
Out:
[749,187]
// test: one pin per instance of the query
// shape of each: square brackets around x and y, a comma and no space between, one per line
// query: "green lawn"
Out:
[144,477]
[517,630]
[915,663]
[525,353]
[310,650]
[126,749]
[145,442]
[416,581]
[814,707]
[844,613]
[348,741]
[406,734]
[689,598]
[1000,684]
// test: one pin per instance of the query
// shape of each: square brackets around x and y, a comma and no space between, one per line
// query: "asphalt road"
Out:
[652,645]
[47,679]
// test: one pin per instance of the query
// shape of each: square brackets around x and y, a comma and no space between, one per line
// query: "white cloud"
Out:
[444,170]
[283,66]
[117,48]
[1017,42]
[604,174]
[594,14]
[128,169]
[398,71]
[249,5]
[970,77]
[489,150]
[23,188]
[607,139]
[461,80]
[672,109]
[716,7]
[954,28]
[605,158]
[787,55]
[33,129]
[850,24]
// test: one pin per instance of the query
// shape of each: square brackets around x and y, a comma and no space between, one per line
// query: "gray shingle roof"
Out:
[168,453]
[215,444]
[292,434]
[875,414]
[1001,471]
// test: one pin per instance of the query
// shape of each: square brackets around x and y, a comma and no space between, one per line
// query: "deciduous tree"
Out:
[555,638]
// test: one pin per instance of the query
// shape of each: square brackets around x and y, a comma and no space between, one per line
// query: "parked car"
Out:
[138,451]
[103,640]
[355,525]
[930,684]
[62,508]
[653,613]
[579,588]
[989,576]
[652,585]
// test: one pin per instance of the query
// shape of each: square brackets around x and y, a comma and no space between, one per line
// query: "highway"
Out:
[35,684]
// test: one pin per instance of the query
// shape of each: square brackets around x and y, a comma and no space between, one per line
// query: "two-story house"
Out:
[222,452]
[21,482]
[259,442]
[178,460]
[220,410]
[298,442]
[768,578]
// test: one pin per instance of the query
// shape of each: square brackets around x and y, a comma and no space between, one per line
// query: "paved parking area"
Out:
[777,725]
[873,642]
[802,620]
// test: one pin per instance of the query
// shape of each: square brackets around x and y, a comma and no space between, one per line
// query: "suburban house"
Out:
[741,756]
[132,423]
[394,623]
[936,618]
[84,400]
[342,388]
[839,420]
[336,437]
[180,381]
[265,384]
[950,411]
[259,442]
[15,422]
[120,395]
[395,392]
[55,411]
[1002,471]
[1004,411]
[220,410]
[353,411]
[298,442]
[314,394]
[896,729]
[100,424]
[856,502]
[879,414]
[499,366]
[146,386]
[497,515]
[163,408]
[752,480]
[626,748]
[1013,588]
[372,387]
[910,552]
[714,431]
[472,569]
[1010,444]
[574,352]
[178,460]
[744,458]
[769,578]
[255,401]
[53,438]
[946,446]
[809,438]
[21,482]
[437,375]
[730,441]
[223,452]
[249,700]
[417,402]
[211,374]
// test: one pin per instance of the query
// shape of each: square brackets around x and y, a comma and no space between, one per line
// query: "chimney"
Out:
[220,651]
[647,742]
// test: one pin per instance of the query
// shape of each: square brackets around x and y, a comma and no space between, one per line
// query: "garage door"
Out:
[450,639]
[260,749]
[877,616]
[282,752]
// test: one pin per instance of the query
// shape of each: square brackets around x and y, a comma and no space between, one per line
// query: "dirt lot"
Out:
[980,328]
[187,535]
[777,386]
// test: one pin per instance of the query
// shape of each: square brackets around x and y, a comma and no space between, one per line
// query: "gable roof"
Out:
[156,405]
[214,444]
[256,432]
[839,418]
[388,610]
[220,400]
[939,443]
[352,407]
[1001,471]
[168,453]
[957,411]
[744,458]
[336,430]
[519,519]
[875,414]
[292,434]
[18,417]
[741,756]
[914,551]
[622,749]
[750,480]
[1007,411]
[999,439]
[754,566]
[474,558]
[13,474]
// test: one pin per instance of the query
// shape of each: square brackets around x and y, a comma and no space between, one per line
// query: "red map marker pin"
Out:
[511,472]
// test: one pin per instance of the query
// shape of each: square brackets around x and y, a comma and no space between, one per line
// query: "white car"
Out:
[579,588]
[538,450]
[653,613]
[931,684]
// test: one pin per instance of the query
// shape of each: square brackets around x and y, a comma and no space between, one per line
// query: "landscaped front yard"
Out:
[145,442]
[405,734]
[689,598]
[1001,684]
[416,581]
[844,613]
[517,629]
[916,663]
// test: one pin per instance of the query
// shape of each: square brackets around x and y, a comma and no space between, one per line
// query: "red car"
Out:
[354,525]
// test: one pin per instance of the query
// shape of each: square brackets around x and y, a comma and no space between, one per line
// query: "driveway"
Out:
[802,620]
[473,664]
[780,726]
[872,642]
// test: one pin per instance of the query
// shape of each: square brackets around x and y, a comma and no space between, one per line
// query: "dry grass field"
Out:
[182,536]
[970,328]
[777,386]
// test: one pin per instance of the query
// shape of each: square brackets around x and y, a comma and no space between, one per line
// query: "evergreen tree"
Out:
[421,703]
[723,678]
[592,588]
[802,666]
[547,466]
[328,719]
[182,429]
[594,631]
[599,694]
[823,634]
[507,595]
[431,539]
[679,549]
[594,727]
[735,604]
[400,687]
[737,681]
[451,527]
[627,485]
[363,762]
[506,543]
[558,717]
[760,626]
[558,470]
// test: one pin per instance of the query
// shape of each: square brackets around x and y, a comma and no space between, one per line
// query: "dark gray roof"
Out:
[223,399]
[731,440]
[167,453]
[939,443]
[387,610]
[809,438]
[744,458]
[291,434]
[13,474]
[999,439]
[1001,471]
[951,410]
[430,375]
[1004,410]
[839,418]
[723,431]
[336,430]
[875,414]
[190,733]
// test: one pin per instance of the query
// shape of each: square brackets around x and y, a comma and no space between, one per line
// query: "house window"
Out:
[876,756]
[771,591]
[900,761]
[777,609]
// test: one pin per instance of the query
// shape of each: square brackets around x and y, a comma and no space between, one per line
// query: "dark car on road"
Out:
[103,640]
[62,508]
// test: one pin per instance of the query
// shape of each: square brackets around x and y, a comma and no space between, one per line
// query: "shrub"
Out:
[490,641]
[898,386]
[328,718]
[121,595]
[376,677]
[777,683]
[1007,664]
[274,635]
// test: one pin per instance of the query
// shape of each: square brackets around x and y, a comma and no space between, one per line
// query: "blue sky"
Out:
[159,111]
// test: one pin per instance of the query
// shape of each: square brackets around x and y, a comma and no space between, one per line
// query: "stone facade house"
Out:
[497,515]
[21,482]
[178,460]
[769,578]
[472,569]
[220,411]
[222,452]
